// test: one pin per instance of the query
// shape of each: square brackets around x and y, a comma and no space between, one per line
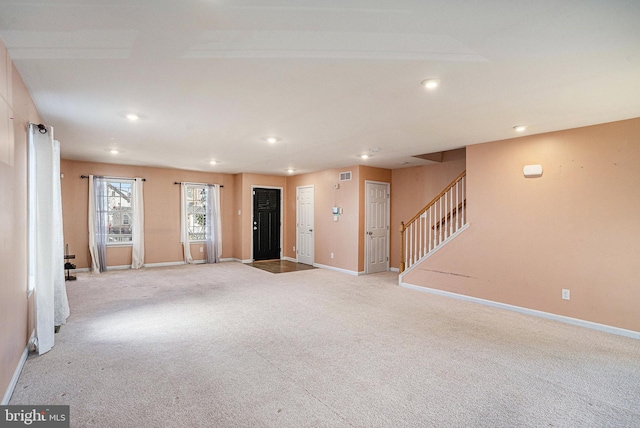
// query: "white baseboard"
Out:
[229,259]
[561,318]
[246,261]
[161,264]
[394,269]
[290,259]
[14,380]
[121,267]
[349,272]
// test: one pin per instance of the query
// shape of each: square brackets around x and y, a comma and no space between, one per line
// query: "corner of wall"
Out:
[16,111]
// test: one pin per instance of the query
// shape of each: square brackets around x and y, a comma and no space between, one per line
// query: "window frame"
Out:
[203,188]
[129,213]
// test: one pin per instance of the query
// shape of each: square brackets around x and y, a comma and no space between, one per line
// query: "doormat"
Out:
[280,266]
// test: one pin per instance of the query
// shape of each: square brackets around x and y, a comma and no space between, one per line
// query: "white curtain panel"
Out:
[213,224]
[93,246]
[97,224]
[102,220]
[60,300]
[184,224]
[47,259]
[137,230]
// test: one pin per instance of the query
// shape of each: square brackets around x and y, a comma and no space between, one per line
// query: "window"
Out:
[196,212]
[119,210]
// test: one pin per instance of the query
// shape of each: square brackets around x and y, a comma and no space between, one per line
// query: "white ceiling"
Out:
[330,78]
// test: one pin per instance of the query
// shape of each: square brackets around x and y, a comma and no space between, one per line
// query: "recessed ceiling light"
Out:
[431,83]
[272,140]
[212,162]
[132,116]
[114,152]
[519,128]
[291,170]
[364,156]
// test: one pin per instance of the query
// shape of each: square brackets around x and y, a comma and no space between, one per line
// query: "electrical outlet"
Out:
[566,294]
[331,255]
[201,249]
[294,248]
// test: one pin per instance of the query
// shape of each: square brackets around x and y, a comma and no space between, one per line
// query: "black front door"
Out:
[266,224]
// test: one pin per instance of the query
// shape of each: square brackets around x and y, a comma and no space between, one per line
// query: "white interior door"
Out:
[377,227]
[304,224]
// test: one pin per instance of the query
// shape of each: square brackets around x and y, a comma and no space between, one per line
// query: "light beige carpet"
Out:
[232,346]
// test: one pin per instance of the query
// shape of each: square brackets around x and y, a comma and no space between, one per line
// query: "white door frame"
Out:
[313,255]
[367,242]
[253,186]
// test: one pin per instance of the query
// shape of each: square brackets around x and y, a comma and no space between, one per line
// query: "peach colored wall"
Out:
[161,207]
[16,319]
[415,187]
[339,238]
[371,174]
[246,220]
[576,227]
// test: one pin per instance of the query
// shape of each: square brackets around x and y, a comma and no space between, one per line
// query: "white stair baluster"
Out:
[464,201]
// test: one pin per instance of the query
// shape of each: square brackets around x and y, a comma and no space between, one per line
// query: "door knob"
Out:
[310,230]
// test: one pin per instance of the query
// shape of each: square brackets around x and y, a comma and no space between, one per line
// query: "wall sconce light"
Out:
[532,171]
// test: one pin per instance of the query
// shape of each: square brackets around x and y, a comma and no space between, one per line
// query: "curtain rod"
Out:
[41,128]
[189,182]
[113,178]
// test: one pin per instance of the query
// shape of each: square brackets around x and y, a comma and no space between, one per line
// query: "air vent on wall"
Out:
[345,176]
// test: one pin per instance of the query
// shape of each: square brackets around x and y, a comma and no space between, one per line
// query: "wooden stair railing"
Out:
[435,223]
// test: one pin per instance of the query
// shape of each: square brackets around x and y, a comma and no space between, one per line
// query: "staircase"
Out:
[435,224]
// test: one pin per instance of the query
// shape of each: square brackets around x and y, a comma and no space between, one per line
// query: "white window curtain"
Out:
[97,223]
[213,224]
[137,229]
[184,224]
[46,239]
